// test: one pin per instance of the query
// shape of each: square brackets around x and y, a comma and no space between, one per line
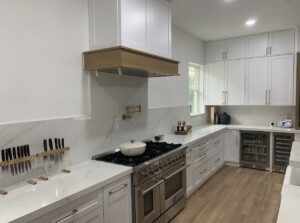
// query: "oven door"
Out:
[174,185]
[148,201]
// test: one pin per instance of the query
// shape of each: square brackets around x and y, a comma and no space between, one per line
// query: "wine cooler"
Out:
[255,150]
[282,149]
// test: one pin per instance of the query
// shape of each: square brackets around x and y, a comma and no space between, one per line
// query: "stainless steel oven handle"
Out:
[150,188]
[176,172]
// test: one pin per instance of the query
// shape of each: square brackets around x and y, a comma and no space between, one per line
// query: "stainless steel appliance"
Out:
[282,149]
[255,150]
[159,180]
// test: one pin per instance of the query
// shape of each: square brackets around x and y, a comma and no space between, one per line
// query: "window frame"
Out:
[199,91]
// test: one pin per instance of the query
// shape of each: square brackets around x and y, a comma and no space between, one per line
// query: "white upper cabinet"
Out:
[236,48]
[216,83]
[257,81]
[134,24]
[282,42]
[257,46]
[139,24]
[160,27]
[281,80]
[215,51]
[236,75]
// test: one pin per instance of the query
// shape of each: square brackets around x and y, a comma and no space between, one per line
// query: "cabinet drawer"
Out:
[75,213]
[201,150]
[216,161]
[216,143]
[201,172]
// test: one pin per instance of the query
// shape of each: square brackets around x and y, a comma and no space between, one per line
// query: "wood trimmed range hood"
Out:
[125,61]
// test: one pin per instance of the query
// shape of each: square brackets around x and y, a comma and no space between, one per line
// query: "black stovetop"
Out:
[153,150]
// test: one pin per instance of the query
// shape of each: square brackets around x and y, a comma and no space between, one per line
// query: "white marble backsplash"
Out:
[258,115]
[105,129]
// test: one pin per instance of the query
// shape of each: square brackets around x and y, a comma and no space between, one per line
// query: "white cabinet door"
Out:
[257,46]
[236,48]
[232,148]
[216,161]
[134,24]
[282,42]
[117,201]
[215,50]
[201,172]
[236,86]
[281,80]
[189,176]
[216,83]
[257,81]
[160,27]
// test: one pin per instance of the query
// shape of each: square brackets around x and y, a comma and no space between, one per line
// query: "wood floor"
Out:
[235,195]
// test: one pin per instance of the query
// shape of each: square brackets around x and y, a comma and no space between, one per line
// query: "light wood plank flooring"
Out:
[235,195]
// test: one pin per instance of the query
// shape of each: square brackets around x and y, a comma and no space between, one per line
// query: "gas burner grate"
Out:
[153,150]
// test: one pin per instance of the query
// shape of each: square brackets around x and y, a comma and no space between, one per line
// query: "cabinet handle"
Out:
[223,57]
[226,97]
[203,171]
[115,191]
[202,155]
[270,50]
[217,160]
[65,217]
[223,97]
[269,97]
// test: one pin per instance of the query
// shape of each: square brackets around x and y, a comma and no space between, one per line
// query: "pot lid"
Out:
[132,145]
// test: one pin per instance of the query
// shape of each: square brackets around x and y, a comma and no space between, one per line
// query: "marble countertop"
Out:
[295,155]
[202,132]
[28,202]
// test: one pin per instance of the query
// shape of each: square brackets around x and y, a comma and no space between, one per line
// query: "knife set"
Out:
[18,165]
[56,157]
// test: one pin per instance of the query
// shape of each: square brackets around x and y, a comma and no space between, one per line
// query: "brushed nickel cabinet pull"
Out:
[115,191]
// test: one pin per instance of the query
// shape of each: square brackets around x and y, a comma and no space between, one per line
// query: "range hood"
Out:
[125,61]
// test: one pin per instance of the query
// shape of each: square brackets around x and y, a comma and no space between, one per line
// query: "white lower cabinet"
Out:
[216,161]
[204,158]
[232,146]
[117,201]
[189,171]
[201,172]
[108,205]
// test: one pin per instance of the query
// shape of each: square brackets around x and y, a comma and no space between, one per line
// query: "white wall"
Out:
[257,115]
[109,96]
[41,43]
[173,91]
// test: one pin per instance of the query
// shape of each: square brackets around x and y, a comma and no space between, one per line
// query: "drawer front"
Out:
[216,161]
[216,143]
[202,156]
[201,172]
[201,150]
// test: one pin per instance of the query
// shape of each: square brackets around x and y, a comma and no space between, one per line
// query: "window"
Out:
[196,89]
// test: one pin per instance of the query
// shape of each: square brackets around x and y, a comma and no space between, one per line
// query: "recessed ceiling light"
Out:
[251,22]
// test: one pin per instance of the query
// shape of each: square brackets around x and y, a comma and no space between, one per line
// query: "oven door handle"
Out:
[176,172]
[150,188]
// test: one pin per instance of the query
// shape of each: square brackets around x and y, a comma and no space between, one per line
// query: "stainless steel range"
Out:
[159,180]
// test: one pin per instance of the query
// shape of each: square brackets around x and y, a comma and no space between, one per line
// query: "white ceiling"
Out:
[219,19]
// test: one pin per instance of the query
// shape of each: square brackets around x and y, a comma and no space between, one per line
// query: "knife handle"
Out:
[45,145]
[50,144]
[56,143]
[63,143]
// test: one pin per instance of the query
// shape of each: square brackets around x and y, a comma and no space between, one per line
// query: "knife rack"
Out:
[36,157]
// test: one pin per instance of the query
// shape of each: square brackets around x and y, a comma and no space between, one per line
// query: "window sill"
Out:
[196,115]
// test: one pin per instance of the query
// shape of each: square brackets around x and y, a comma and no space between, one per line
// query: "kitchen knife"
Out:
[24,164]
[19,156]
[63,143]
[9,157]
[45,148]
[56,147]
[27,153]
[51,148]
[14,153]
[59,146]
[3,158]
